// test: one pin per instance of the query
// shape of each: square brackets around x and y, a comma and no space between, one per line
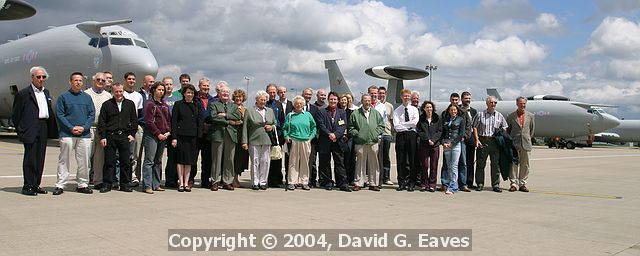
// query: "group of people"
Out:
[119,136]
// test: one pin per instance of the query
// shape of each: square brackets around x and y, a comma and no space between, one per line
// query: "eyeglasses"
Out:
[101,80]
[41,77]
[493,102]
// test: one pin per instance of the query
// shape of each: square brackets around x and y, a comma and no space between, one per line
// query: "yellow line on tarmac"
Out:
[575,194]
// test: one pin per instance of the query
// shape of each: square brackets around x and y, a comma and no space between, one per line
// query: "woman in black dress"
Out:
[186,127]
[241,156]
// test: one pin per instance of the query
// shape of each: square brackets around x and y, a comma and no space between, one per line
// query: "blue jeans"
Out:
[152,165]
[462,168]
[451,157]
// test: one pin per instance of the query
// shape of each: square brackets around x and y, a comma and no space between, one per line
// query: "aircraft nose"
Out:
[609,121]
[143,63]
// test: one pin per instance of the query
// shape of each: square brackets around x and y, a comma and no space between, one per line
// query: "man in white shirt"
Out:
[405,119]
[138,101]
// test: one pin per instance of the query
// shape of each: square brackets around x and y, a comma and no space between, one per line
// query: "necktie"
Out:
[406,114]
[225,107]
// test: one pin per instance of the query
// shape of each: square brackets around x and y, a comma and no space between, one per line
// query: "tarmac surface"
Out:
[582,202]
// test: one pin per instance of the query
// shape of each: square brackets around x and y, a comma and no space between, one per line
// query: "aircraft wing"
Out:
[589,105]
[94,26]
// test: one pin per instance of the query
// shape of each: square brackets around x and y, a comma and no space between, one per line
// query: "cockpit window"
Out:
[99,42]
[103,42]
[121,41]
[93,42]
[141,43]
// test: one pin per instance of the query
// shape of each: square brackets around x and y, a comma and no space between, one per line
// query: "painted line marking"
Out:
[575,194]
[582,157]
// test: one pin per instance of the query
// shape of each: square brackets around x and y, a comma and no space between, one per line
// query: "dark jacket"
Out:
[186,120]
[156,117]
[111,119]
[325,126]
[313,109]
[508,152]
[429,130]
[25,116]
[452,132]
[469,139]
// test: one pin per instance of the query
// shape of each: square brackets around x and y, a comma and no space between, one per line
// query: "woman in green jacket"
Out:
[299,127]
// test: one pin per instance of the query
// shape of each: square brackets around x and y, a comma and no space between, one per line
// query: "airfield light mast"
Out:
[247,79]
[431,68]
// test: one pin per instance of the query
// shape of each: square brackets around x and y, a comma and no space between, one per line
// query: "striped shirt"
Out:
[487,123]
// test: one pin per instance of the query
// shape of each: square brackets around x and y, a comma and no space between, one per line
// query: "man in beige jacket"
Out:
[521,127]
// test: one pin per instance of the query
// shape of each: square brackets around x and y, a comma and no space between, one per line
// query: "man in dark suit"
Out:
[286,106]
[332,122]
[202,100]
[35,122]
[275,168]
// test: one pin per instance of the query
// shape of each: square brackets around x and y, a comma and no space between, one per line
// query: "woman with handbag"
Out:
[259,121]
[299,127]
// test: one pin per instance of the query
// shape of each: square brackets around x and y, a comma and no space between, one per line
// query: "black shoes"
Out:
[479,188]
[105,189]
[263,187]
[411,188]
[126,189]
[497,190]
[40,190]
[345,188]
[58,191]
[29,192]
[400,188]
[330,186]
[85,190]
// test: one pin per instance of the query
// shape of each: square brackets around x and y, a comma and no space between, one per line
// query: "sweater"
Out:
[98,99]
[75,109]
[299,126]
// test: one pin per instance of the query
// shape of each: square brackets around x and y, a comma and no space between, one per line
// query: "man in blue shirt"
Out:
[75,113]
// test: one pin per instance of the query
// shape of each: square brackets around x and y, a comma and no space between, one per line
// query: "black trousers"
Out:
[170,171]
[204,148]
[33,160]
[117,143]
[471,158]
[313,168]
[405,158]
[324,169]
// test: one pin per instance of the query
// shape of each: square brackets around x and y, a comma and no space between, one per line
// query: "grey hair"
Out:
[364,95]
[202,80]
[489,98]
[221,84]
[298,98]
[96,75]
[36,68]
[260,94]
[521,97]
[415,93]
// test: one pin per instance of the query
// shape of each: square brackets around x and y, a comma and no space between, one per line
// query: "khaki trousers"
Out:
[520,172]
[299,162]
[367,164]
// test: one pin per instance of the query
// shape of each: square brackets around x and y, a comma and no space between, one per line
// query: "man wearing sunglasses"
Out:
[99,95]
[485,124]
[35,123]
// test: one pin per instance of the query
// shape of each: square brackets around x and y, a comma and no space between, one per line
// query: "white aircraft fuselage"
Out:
[87,47]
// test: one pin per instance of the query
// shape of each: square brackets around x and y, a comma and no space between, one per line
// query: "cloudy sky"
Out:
[586,50]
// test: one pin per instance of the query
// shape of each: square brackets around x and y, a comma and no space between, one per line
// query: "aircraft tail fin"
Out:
[337,83]
[494,92]
[394,87]
[94,26]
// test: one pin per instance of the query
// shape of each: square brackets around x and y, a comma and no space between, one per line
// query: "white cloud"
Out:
[615,37]
[569,75]
[554,87]
[511,52]
[625,69]
[609,94]
[545,24]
